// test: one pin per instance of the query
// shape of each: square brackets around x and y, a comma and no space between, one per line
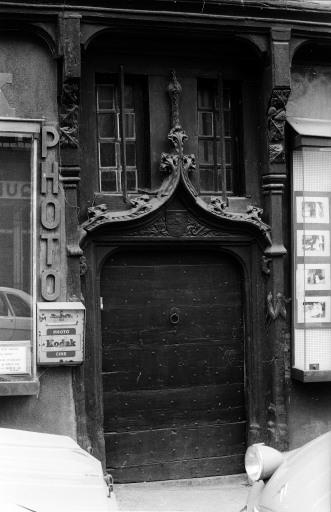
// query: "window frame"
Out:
[139,110]
[26,383]
[236,168]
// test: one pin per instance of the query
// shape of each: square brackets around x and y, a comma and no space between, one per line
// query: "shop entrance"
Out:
[173,365]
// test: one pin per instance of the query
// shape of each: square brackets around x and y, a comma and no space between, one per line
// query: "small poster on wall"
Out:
[314,309]
[313,276]
[312,210]
[313,243]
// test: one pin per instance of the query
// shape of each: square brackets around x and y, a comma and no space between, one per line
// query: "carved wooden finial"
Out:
[174,90]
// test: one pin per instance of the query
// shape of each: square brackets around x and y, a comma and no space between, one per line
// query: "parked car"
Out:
[50,473]
[15,314]
[296,481]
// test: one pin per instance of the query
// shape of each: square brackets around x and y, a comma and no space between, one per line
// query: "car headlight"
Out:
[261,461]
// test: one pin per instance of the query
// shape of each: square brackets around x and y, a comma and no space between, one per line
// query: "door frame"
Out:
[247,254]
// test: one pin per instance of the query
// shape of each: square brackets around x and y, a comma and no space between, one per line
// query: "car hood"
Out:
[48,473]
[302,482]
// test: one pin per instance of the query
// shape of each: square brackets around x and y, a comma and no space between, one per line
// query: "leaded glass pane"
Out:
[107,154]
[206,124]
[228,151]
[109,181]
[106,97]
[128,97]
[205,97]
[131,180]
[131,154]
[227,123]
[129,124]
[206,152]
[226,99]
[108,125]
[207,180]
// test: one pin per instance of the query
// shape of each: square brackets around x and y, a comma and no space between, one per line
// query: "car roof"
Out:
[15,291]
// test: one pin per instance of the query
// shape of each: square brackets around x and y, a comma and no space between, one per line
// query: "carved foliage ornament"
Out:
[69,135]
[252,215]
[276,307]
[276,115]
[177,135]
[176,224]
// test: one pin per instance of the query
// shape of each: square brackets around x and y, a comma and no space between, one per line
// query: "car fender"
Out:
[254,494]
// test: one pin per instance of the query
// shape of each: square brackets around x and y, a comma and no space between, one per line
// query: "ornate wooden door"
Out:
[173,365]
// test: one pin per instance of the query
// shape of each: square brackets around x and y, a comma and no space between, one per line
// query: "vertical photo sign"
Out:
[50,217]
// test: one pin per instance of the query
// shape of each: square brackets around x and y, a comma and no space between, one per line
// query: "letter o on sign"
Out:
[50,213]
[50,284]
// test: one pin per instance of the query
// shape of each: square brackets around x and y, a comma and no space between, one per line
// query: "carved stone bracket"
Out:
[276,123]
[252,216]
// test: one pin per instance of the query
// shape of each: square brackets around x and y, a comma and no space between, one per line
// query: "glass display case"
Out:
[311,196]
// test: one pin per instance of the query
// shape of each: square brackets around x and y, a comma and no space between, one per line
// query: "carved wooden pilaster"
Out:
[274,183]
[69,52]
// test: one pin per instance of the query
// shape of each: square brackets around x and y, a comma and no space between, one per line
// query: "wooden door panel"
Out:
[192,468]
[173,392]
[216,353]
[171,444]
[131,380]
[160,408]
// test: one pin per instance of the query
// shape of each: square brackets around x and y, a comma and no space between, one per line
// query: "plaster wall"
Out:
[33,94]
[309,406]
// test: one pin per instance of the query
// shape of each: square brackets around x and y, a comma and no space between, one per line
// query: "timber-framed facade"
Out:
[167,135]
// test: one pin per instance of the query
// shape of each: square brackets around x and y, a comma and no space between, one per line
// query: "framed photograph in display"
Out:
[313,243]
[314,309]
[312,209]
[313,276]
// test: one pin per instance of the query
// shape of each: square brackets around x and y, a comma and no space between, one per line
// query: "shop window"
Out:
[219,137]
[120,124]
[311,207]
[18,150]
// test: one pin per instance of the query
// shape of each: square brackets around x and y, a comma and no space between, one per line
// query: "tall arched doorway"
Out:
[173,364]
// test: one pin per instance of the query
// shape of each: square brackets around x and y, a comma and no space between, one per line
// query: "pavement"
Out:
[214,494]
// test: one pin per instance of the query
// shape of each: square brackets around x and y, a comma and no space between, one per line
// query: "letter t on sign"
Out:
[5,109]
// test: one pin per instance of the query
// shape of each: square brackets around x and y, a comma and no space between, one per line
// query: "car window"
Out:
[3,306]
[19,306]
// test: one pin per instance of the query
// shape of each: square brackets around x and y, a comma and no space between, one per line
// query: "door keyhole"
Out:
[174,316]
